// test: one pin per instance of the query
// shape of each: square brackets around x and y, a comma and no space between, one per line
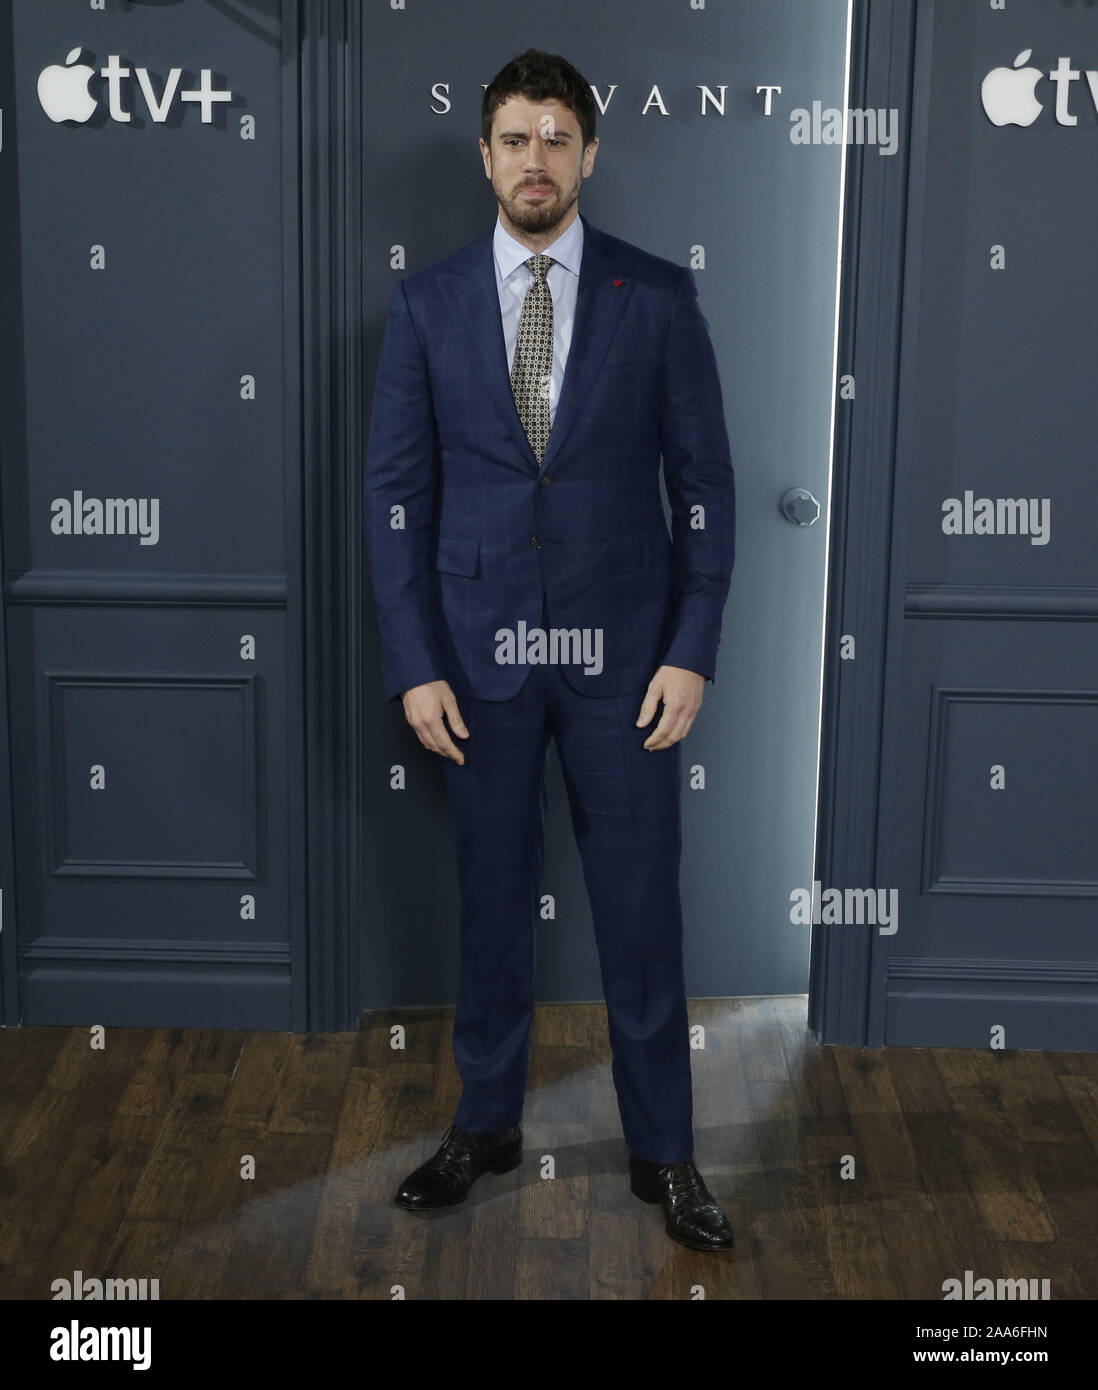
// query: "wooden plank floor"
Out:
[127,1162]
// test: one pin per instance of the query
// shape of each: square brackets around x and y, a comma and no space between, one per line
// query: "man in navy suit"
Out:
[527,588]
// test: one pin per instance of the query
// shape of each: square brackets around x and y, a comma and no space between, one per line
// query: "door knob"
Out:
[799,507]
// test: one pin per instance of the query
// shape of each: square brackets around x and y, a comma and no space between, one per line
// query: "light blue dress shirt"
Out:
[513,279]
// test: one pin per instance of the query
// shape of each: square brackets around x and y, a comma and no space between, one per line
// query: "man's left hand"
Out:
[681,693]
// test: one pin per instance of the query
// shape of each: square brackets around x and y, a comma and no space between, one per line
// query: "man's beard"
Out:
[542,215]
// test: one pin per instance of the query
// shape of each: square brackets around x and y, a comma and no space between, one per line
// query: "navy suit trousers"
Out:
[626,815]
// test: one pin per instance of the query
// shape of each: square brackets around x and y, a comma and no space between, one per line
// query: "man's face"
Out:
[536,161]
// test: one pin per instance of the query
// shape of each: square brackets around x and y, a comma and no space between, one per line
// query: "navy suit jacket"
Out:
[467,536]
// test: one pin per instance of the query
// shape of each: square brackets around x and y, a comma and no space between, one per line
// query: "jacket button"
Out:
[543,482]
[535,542]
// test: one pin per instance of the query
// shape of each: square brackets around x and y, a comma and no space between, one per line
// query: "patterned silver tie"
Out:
[532,368]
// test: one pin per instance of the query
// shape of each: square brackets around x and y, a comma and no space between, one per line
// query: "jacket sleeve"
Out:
[697,466]
[400,490]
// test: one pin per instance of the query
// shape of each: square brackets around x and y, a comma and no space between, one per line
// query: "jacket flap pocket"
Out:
[457,555]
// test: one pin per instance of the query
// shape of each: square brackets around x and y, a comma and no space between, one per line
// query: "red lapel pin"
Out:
[619,282]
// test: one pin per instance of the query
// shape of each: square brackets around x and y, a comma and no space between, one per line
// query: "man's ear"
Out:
[588,163]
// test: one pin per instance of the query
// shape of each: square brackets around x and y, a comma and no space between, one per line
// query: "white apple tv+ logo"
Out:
[63,91]
[64,96]
[1007,93]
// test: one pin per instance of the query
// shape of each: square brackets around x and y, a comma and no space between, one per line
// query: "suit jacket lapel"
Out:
[470,291]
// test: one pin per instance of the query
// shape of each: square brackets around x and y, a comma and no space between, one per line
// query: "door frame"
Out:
[890,52]
[328,187]
[888,40]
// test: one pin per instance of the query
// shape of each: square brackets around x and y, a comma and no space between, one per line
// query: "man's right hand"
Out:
[424,707]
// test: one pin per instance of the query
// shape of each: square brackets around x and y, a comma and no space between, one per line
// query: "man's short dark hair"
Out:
[536,76]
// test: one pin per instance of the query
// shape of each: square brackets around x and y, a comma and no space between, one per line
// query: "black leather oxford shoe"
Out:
[690,1213]
[445,1179]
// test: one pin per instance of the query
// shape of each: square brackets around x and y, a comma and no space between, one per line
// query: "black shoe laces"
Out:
[684,1180]
[452,1157]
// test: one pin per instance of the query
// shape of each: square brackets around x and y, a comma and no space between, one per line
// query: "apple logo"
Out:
[1007,93]
[63,91]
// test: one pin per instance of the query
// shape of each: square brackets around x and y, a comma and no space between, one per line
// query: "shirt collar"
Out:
[509,253]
